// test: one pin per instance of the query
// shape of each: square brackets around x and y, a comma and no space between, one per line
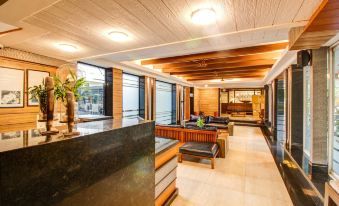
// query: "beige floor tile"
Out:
[247,176]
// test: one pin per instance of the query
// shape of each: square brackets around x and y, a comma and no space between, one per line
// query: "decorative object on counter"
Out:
[11,87]
[34,78]
[200,122]
[49,85]
[39,94]
[70,114]
[71,84]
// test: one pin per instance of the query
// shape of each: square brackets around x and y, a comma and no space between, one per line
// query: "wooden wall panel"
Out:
[196,100]
[208,100]
[12,116]
[117,93]
[187,103]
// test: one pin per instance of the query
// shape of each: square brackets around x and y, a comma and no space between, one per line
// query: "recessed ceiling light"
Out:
[206,85]
[67,47]
[203,16]
[119,36]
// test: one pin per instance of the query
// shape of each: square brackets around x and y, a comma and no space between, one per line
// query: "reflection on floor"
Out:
[247,176]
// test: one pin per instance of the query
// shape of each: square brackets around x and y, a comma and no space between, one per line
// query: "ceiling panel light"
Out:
[203,16]
[67,47]
[119,36]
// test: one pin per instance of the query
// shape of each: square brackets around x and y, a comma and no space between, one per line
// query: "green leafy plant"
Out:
[72,84]
[200,122]
[39,92]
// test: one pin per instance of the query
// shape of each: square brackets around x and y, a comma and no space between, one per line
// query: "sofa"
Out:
[210,121]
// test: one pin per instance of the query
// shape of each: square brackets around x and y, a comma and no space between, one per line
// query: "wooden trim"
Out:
[164,157]
[9,31]
[26,62]
[163,197]
[219,54]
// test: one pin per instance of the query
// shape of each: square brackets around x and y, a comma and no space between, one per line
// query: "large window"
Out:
[163,103]
[307,111]
[335,102]
[130,100]
[92,101]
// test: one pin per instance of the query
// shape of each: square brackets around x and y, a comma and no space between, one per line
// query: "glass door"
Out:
[335,102]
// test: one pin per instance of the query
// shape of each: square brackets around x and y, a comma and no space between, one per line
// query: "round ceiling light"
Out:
[203,16]
[67,47]
[118,36]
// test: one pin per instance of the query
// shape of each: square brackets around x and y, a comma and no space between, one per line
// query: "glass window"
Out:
[130,96]
[92,101]
[163,114]
[281,113]
[307,111]
[335,143]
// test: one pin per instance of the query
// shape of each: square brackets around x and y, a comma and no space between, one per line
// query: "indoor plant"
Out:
[200,122]
[39,92]
[71,84]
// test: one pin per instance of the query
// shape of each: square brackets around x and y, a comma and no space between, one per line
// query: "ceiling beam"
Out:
[267,63]
[219,54]
[245,69]
[226,77]
[223,72]
[263,56]
[322,26]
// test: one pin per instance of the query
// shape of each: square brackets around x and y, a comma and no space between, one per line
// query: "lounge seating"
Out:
[210,121]
[203,150]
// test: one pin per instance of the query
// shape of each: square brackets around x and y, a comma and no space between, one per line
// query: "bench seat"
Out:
[206,150]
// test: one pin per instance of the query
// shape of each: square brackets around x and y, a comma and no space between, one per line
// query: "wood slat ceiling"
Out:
[248,62]
[323,25]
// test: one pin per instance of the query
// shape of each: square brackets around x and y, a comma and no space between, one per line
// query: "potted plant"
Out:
[39,92]
[71,84]
[200,122]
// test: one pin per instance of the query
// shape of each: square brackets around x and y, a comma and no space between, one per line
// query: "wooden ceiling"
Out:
[158,28]
[248,62]
[323,25]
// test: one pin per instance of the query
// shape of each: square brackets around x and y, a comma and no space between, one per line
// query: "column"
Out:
[117,93]
[319,104]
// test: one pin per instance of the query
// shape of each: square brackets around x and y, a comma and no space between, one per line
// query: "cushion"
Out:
[194,118]
[220,120]
[218,125]
[204,149]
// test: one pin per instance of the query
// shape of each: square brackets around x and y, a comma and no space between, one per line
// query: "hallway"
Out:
[247,176]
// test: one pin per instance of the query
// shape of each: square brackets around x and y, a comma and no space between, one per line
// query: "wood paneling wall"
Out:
[187,103]
[11,116]
[117,93]
[196,100]
[206,100]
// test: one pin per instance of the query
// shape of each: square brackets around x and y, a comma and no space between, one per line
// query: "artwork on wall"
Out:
[11,87]
[34,78]
[11,135]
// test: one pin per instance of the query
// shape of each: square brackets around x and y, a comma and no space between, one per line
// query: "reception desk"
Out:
[111,162]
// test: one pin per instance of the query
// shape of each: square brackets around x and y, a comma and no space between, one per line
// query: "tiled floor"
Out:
[247,176]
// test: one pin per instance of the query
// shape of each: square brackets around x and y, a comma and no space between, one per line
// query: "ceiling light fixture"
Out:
[118,36]
[203,16]
[67,47]
[206,85]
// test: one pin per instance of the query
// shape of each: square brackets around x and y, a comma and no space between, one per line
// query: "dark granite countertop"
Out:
[27,138]
[163,144]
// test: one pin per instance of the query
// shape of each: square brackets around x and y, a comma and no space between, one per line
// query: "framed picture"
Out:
[11,87]
[34,78]
[11,135]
